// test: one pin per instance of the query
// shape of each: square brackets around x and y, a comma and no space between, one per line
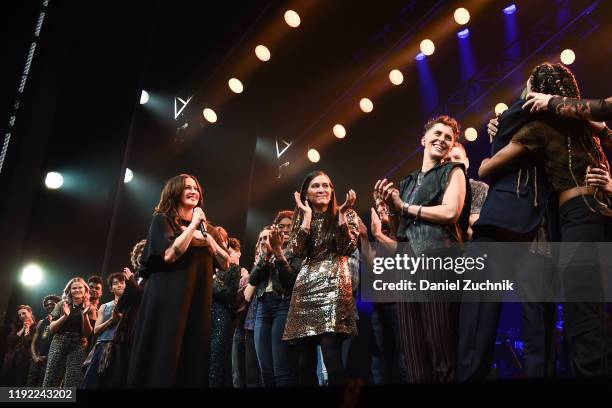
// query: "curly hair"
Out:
[554,79]
[445,120]
[136,254]
[114,276]
[54,298]
[283,214]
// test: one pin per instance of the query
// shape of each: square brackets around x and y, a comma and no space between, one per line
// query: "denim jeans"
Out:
[273,354]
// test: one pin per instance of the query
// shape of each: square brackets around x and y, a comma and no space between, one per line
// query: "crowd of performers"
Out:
[192,316]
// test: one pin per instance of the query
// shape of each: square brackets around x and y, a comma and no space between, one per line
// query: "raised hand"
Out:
[66,309]
[376,225]
[198,216]
[276,240]
[492,128]
[349,203]
[536,102]
[127,273]
[303,206]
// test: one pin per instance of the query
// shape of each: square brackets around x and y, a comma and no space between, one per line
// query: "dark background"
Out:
[79,113]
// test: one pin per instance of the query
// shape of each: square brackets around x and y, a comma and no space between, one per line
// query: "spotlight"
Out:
[262,52]
[235,85]
[471,134]
[396,77]
[54,180]
[462,16]
[31,275]
[144,97]
[511,9]
[313,155]
[129,175]
[420,56]
[210,115]
[568,57]
[366,105]
[463,33]
[292,18]
[339,131]
[500,108]
[427,47]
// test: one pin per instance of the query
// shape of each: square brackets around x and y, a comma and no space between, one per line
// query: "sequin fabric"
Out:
[322,300]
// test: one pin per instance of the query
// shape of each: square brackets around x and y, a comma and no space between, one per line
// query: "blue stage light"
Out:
[510,9]
[463,33]
[420,56]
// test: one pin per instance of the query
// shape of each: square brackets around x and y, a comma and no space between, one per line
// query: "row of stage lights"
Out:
[426,47]
[54,180]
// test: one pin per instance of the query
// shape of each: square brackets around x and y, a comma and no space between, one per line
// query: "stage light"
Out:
[500,108]
[31,275]
[511,9]
[313,156]
[366,105]
[292,18]
[54,180]
[420,56]
[144,97]
[210,115]
[235,85]
[262,52]
[427,47]
[462,16]
[471,134]
[396,77]
[463,33]
[568,57]
[339,131]
[129,175]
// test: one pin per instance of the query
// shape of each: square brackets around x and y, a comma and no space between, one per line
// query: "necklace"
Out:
[420,178]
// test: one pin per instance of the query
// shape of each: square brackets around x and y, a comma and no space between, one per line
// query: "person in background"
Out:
[41,343]
[17,357]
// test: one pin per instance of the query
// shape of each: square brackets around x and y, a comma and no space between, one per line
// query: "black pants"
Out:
[587,328]
[331,347]
[478,321]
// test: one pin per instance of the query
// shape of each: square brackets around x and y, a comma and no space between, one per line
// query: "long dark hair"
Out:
[329,228]
[557,79]
[170,198]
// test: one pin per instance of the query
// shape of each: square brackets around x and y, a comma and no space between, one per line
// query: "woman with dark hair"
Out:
[225,289]
[322,309]
[97,375]
[425,212]
[274,275]
[71,325]
[17,357]
[171,344]
[568,149]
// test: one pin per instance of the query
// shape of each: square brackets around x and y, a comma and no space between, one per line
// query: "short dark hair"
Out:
[234,243]
[54,298]
[445,120]
[96,279]
[115,275]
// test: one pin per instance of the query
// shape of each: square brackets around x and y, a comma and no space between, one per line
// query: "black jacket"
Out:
[283,272]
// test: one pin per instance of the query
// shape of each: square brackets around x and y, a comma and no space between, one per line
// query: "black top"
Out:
[424,235]
[172,333]
[43,340]
[283,273]
[74,322]
[225,286]
[517,200]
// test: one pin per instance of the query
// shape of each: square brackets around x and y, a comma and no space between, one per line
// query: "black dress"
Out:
[171,342]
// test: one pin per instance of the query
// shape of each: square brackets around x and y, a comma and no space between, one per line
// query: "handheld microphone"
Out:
[203,228]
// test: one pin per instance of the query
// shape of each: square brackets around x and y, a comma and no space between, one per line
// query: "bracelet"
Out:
[405,208]
[418,214]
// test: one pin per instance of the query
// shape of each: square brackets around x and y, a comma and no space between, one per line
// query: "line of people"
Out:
[192,316]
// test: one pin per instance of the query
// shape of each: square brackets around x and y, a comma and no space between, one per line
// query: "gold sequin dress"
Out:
[322,299]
